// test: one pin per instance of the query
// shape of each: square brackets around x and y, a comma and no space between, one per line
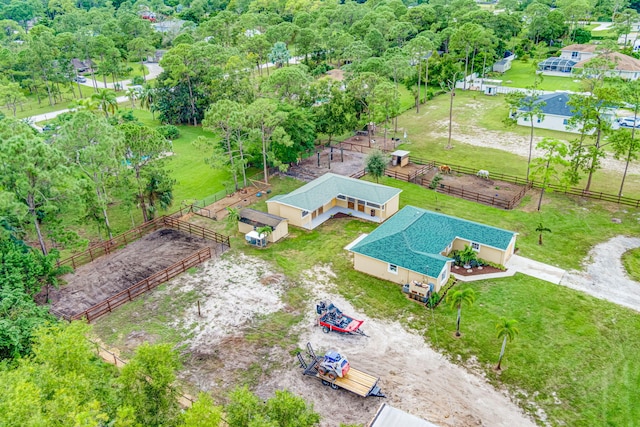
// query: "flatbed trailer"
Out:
[355,381]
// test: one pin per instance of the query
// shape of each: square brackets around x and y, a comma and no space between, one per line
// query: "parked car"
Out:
[80,79]
[629,122]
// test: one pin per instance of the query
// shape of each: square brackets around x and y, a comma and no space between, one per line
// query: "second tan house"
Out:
[414,246]
[314,203]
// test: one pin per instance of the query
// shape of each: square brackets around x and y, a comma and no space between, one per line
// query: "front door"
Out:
[320,210]
[350,205]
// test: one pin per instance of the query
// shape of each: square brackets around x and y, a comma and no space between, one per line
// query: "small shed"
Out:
[400,158]
[502,66]
[491,90]
[388,416]
[251,220]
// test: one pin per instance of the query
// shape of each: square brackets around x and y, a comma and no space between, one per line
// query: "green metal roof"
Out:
[414,238]
[322,190]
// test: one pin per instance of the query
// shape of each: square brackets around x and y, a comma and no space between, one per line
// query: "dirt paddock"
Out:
[485,186]
[113,273]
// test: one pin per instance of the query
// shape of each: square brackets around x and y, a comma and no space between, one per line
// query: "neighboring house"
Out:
[388,416]
[251,220]
[569,57]
[82,66]
[156,57]
[315,202]
[573,58]
[555,113]
[415,244]
[579,52]
[625,66]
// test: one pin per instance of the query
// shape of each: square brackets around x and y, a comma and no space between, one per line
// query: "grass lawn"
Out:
[522,75]
[574,356]
[195,179]
[631,262]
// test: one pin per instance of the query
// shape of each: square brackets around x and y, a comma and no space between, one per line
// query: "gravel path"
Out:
[604,276]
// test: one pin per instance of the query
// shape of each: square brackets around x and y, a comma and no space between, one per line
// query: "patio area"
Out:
[321,218]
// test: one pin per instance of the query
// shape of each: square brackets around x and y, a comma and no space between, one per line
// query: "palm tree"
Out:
[506,330]
[132,93]
[146,97]
[541,229]
[85,104]
[233,216]
[107,101]
[459,297]
[467,255]
[265,230]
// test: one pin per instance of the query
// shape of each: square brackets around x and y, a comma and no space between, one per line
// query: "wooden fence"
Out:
[143,286]
[134,234]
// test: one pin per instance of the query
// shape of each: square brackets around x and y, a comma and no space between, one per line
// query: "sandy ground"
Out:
[414,377]
[511,142]
[110,274]
[604,275]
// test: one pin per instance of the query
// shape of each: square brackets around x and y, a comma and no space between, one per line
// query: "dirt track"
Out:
[110,274]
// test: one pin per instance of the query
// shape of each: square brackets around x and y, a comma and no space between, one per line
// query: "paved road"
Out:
[154,71]
[48,116]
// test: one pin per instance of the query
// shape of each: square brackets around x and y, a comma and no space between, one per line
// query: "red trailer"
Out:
[332,319]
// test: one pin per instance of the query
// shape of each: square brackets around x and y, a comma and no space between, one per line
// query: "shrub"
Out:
[435,181]
[170,132]
[137,80]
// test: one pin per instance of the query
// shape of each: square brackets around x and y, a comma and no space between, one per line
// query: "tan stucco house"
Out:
[415,243]
[251,220]
[314,203]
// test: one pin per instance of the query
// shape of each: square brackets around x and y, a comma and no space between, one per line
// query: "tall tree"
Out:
[530,107]
[96,150]
[419,49]
[545,168]
[279,54]
[625,145]
[140,48]
[143,146]
[457,299]
[226,116]
[448,76]
[33,172]
[507,330]
[263,117]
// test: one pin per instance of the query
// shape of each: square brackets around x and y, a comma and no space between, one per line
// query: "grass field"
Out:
[554,360]
[522,74]
[631,262]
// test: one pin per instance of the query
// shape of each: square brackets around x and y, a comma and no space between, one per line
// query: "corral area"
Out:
[110,274]
[485,186]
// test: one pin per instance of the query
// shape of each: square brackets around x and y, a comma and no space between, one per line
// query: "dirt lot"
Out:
[488,187]
[342,164]
[110,274]
[220,347]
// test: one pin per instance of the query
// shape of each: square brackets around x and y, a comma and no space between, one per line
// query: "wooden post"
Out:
[109,306]
[199,315]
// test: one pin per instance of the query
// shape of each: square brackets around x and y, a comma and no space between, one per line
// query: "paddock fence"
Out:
[143,286]
[121,240]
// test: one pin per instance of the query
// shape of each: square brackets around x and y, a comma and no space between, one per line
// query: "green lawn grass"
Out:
[522,74]
[574,356]
[631,262]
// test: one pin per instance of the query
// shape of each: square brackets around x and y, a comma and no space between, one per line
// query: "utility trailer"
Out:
[331,318]
[352,380]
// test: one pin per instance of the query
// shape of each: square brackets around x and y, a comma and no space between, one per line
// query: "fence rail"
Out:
[143,286]
[134,234]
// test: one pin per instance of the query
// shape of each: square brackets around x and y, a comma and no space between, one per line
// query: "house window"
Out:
[475,246]
[526,119]
[305,213]
[575,55]
[373,205]
[443,276]
[341,197]
[565,122]
[539,119]
[393,269]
